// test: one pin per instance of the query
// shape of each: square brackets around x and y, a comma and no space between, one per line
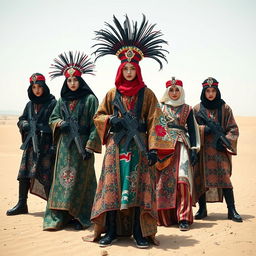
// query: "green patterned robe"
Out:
[74,181]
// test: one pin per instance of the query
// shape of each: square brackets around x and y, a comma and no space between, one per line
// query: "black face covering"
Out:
[212,104]
[82,90]
[45,97]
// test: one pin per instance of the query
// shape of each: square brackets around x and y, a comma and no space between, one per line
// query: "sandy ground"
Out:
[23,235]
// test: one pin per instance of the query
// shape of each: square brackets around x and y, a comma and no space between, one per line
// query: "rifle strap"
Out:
[219,113]
[31,111]
[139,103]
[80,106]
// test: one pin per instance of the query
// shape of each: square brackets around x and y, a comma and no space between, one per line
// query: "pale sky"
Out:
[206,38]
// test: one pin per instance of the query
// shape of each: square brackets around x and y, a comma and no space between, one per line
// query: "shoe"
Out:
[110,236]
[140,241]
[107,240]
[21,207]
[77,225]
[229,198]
[234,215]
[183,225]
[201,214]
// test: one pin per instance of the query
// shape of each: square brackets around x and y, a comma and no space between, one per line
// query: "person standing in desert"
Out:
[35,173]
[219,134]
[74,180]
[131,125]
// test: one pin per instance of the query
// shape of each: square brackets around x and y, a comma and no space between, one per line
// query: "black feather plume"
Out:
[79,61]
[113,38]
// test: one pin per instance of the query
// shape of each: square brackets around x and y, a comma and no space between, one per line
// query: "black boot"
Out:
[110,236]
[21,207]
[183,225]
[141,242]
[202,212]
[47,191]
[77,225]
[232,213]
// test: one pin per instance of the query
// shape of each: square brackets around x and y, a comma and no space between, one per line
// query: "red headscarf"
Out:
[129,88]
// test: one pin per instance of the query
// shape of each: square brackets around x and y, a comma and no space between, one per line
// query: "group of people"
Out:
[160,159]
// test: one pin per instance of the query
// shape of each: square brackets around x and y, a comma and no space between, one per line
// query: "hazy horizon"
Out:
[206,38]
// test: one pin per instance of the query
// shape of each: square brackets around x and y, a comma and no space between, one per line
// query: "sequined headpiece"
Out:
[36,77]
[210,81]
[173,82]
[130,43]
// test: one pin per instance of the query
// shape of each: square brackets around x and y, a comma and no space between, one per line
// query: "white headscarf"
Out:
[175,103]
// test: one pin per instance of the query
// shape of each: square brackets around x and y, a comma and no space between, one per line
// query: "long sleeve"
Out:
[191,129]
[54,119]
[101,118]
[158,137]
[231,129]
[93,142]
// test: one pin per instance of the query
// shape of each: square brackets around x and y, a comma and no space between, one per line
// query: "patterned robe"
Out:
[38,169]
[214,169]
[74,181]
[141,177]
[179,170]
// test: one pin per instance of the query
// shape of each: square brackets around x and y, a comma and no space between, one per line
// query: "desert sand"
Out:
[215,235]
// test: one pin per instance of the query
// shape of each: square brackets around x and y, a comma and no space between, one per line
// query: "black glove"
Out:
[26,127]
[116,124]
[152,157]
[65,127]
[87,155]
[207,130]
[219,146]
[193,157]
[39,126]
[52,150]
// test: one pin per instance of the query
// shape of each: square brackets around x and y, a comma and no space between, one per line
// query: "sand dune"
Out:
[23,235]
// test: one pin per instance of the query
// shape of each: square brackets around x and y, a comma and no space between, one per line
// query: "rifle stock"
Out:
[217,130]
[131,128]
[74,132]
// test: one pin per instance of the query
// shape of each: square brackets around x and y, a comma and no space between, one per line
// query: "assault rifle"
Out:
[31,135]
[131,125]
[74,132]
[217,130]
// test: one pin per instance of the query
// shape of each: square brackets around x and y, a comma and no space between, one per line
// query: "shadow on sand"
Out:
[223,216]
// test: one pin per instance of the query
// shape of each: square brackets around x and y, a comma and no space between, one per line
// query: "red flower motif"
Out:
[160,130]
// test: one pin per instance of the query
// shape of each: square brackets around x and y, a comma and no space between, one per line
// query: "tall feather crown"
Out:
[130,43]
[72,65]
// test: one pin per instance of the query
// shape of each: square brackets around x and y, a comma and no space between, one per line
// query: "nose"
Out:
[128,71]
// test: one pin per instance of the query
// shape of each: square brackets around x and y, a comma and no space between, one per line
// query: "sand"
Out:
[215,235]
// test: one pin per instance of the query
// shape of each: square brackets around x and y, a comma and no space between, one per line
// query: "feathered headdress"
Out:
[130,43]
[72,65]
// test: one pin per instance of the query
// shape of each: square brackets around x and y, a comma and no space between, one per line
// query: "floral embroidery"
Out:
[67,177]
[162,120]
[160,130]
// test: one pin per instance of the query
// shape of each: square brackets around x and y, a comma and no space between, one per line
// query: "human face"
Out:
[210,93]
[174,93]
[129,72]
[38,90]
[73,83]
